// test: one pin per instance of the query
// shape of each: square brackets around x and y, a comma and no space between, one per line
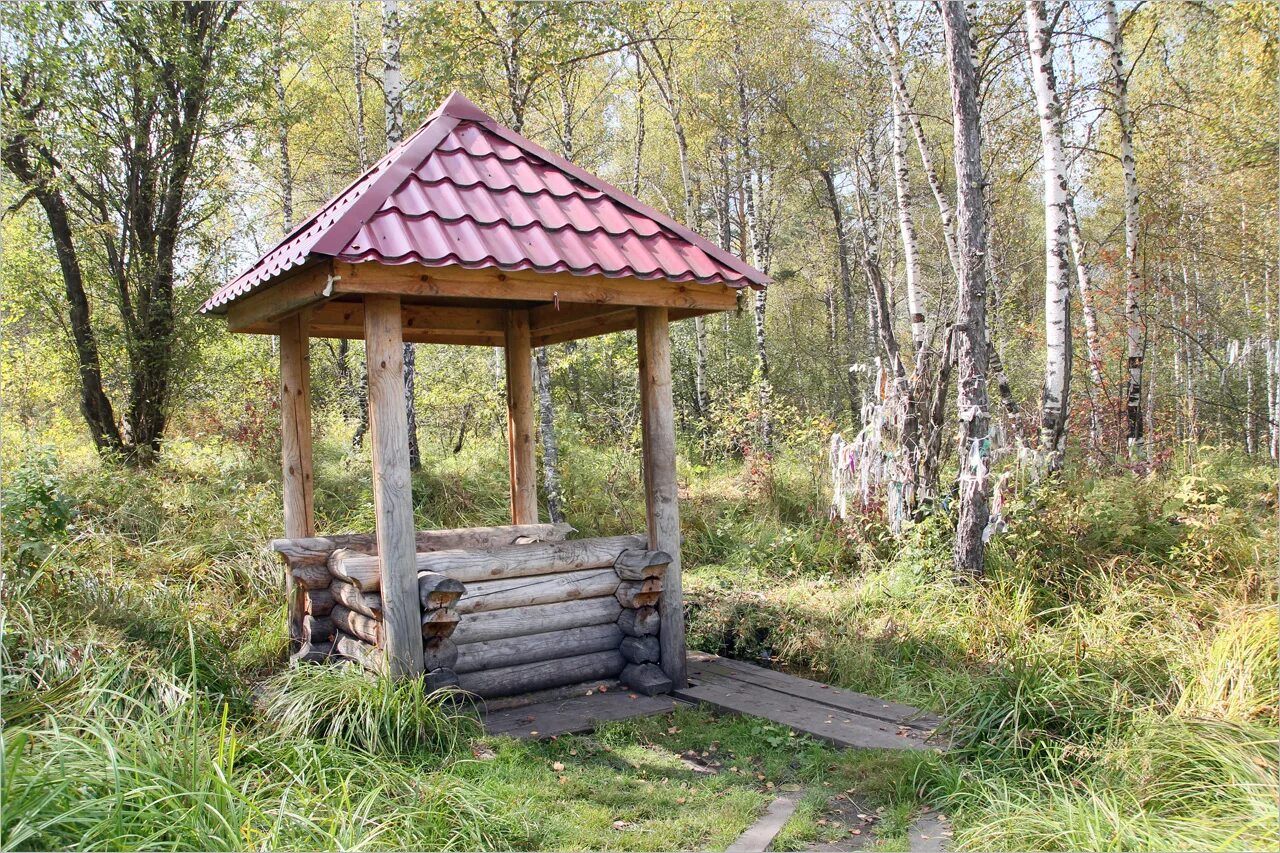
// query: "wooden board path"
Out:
[573,715]
[840,717]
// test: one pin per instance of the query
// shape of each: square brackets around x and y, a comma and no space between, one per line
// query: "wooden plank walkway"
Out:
[840,717]
[572,715]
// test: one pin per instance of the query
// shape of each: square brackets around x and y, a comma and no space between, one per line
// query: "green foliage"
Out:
[343,706]
[1110,686]
[34,513]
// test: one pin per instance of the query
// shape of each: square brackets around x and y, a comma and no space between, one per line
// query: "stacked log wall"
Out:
[504,610]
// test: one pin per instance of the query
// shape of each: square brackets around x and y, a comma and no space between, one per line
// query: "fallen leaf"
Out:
[673,730]
[573,752]
[855,832]
[769,785]
[681,800]
[564,779]
[557,767]
[623,825]
[604,689]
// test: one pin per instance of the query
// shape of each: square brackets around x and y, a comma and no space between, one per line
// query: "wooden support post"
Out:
[653,340]
[295,446]
[392,487]
[524,485]
[295,427]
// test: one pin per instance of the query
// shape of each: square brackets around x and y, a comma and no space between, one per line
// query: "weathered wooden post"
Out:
[392,487]
[662,507]
[295,448]
[295,427]
[524,485]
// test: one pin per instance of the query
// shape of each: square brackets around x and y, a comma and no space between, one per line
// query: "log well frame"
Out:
[501,609]
[379,604]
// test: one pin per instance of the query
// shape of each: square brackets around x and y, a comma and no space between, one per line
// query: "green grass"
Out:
[1112,685]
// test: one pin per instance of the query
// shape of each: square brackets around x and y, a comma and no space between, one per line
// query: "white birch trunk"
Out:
[892,49]
[971,316]
[357,77]
[906,225]
[757,248]
[286,166]
[667,82]
[1055,399]
[547,430]
[638,152]
[1084,282]
[1133,282]
[393,86]
[1273,366]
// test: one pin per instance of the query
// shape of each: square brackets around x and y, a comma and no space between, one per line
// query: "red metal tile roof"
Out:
[466,191]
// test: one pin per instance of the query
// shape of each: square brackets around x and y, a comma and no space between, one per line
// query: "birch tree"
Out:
[1055,397]
[1093,347]
[891,47]
[971,308]
[753,200]
[1119,84]
[659,60]
[393,91]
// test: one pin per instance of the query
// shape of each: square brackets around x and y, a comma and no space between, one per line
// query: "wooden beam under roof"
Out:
[307,286]
[412,281]
[473,326]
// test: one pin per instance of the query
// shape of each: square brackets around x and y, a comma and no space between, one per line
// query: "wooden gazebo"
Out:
[468,233]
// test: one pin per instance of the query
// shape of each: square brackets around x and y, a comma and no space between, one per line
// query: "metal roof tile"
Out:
[466,191]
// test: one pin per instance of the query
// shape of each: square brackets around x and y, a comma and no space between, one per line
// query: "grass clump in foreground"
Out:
[1111,685]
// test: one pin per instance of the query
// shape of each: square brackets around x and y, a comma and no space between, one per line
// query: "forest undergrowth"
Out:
[1111,685]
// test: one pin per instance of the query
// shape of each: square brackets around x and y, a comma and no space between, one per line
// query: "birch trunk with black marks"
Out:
[355,395]
[666,80]
[907,226]
[286,166]
[1246,352]
[393,88]
[637,155]
[357,78]
[971,316]
[1273,365]
[1056,394]
[758,250]
[846,288]
[547,431]
[1119,84]
[1084,282]
[891,47]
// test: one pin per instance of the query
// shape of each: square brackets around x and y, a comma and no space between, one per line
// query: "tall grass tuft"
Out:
[345,706]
